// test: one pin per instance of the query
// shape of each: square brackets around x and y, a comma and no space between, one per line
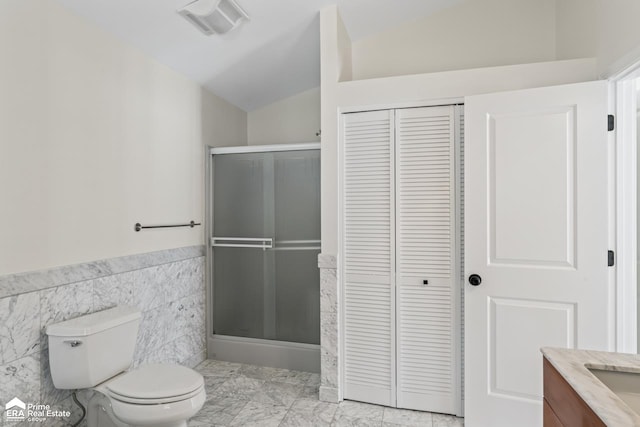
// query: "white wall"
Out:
[292,120]
[335,66]
[222,124]
[400,90]
[605,29]
[618,43]
[481,33]
[474,34]
[576,28]
[95,137]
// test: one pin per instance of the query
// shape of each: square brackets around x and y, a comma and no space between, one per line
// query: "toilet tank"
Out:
[87,350]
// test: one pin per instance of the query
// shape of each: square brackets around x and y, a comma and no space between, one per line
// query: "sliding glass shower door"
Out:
[266,239]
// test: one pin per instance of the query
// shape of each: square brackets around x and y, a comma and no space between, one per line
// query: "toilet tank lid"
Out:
[94,323]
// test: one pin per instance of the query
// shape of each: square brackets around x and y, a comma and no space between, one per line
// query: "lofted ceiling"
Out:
[273,56]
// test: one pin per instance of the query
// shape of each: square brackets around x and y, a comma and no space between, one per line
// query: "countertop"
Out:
[573,364]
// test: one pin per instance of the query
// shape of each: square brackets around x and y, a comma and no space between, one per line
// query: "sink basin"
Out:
[626,385]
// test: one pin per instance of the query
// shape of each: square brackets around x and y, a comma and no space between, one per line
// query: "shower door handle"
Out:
[263,243]
[296,245]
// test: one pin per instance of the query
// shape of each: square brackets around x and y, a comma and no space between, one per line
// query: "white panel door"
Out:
[368,257]
[427,339]
[536,234]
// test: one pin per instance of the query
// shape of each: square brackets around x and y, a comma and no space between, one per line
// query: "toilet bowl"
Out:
[95,352]
[152,395]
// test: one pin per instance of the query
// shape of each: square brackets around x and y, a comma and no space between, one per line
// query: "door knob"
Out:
[475,280]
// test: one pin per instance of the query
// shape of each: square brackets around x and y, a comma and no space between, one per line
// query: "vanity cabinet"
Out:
[563,407]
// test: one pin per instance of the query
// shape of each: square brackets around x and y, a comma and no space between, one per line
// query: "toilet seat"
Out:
[159,401]
[156,384]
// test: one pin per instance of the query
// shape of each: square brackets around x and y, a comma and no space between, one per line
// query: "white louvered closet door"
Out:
[368,257]
[427,338]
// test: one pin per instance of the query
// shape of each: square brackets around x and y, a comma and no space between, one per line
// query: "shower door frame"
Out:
[279,354]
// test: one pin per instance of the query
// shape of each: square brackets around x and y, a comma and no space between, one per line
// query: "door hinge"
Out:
[611,258]
[611,122]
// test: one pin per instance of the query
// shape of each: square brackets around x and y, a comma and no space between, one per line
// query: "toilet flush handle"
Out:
[73,343]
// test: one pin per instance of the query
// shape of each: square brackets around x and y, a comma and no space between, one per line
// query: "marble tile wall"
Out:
[171,296]
[14,284]
[329,381]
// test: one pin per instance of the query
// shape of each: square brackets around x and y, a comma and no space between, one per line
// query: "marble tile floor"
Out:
[247,395]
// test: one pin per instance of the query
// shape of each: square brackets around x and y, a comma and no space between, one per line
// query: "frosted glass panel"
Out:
[238,302]
[297,195]
[297,297]
[271,293]
[297,219]
[240,211]
[239,181]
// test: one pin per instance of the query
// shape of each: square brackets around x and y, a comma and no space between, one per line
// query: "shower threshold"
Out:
[255,351]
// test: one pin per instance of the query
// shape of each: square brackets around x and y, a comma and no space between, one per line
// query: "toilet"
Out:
[96,351]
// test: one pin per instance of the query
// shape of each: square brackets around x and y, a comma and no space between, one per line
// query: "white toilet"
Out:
[95,351]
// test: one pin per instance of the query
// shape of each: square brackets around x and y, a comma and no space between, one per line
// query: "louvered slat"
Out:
[369,321]
[425,234]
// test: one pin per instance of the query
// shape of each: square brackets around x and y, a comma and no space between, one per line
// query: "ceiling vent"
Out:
[214,16]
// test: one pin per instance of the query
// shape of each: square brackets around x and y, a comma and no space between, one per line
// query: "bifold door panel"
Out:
[369,299]
[398,239]
[425,255]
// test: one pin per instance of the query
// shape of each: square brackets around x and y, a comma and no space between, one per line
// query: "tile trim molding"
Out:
[15,284]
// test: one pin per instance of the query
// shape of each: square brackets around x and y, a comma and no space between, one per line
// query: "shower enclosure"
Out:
[264,213]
